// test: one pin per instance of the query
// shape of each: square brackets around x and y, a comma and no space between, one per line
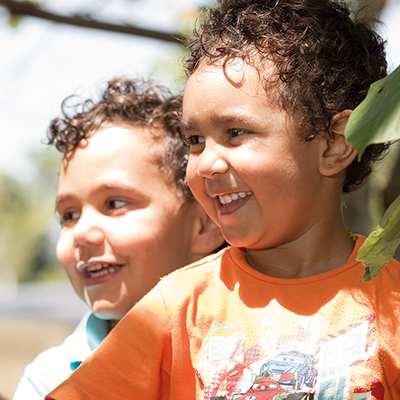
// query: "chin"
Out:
[108,314]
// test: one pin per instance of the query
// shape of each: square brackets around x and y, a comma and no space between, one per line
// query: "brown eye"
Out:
[237,132]
[68,216]
[116,204]
[193,140]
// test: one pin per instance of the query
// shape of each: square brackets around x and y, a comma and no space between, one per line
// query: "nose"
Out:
[212,161]
[87,230]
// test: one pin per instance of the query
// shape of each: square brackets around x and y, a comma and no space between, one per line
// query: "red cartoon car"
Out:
[263,389]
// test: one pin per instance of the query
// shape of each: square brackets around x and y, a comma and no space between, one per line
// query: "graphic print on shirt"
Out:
[290,365]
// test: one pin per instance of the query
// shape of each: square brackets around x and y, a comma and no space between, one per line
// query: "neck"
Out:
[311,254]
[112,323]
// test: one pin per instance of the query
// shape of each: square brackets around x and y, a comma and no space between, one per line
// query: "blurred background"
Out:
[49,50]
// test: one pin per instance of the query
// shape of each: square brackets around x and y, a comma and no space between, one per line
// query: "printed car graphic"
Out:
[262,389]
[291,368]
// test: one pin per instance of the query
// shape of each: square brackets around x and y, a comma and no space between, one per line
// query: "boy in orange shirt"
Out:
[127,215]
[282,313]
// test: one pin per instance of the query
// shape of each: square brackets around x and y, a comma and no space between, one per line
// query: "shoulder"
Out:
[49,369]
[204,271]
[86,337]
[184,285]
[199,284]
[56,360]
[55,364]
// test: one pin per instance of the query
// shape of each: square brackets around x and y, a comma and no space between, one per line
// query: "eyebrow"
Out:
[186,126]
[61,199]
[108,187]
[235,117]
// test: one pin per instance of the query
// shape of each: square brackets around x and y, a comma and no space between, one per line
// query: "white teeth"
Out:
[228,198]
[101,273]
[95,267]
[100,269]
[225,199]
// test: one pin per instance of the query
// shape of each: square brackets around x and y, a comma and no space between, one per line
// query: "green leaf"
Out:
[377,118]
[381,244]
[14,20]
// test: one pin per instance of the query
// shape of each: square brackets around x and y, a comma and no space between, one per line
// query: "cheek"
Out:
[66,256]
[194,180]
[269,167]
[192,165]
[137,237]
[65,252]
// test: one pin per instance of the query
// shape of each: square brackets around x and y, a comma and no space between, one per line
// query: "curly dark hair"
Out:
[136,102]
[325,59]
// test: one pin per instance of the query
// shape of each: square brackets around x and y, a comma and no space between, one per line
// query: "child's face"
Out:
[124,226]
[255,177]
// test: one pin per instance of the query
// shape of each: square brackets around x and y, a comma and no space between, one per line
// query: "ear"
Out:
[207,236]
[338,154]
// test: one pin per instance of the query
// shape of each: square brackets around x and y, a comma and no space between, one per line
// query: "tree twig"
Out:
[19,8]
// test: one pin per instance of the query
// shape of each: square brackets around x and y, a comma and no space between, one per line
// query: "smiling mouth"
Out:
[99,269]
[227,199]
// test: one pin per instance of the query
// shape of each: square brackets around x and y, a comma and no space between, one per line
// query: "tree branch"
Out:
[19,8]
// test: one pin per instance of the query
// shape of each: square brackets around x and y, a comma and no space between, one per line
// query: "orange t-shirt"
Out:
[218,329]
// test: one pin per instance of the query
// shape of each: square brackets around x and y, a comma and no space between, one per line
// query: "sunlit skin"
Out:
[119,211]
[267,188]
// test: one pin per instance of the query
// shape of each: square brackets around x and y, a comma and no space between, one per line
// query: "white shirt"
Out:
[54,365]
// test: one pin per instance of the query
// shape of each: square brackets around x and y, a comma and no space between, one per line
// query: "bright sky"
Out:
[42,63]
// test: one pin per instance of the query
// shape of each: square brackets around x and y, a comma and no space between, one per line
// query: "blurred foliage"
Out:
[171,68]
[27,230]
[14,20]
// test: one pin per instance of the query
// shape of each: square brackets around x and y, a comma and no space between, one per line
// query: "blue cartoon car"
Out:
[291,368]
